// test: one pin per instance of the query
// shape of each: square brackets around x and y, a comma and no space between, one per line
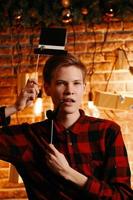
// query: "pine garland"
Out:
[49,12]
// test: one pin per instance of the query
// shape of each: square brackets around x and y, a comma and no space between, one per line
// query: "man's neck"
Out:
[68,120]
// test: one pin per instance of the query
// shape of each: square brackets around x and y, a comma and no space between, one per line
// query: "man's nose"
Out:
[69,89]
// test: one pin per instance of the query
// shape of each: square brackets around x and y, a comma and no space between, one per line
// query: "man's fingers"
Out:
[32,81]
[31,87]
[54,149]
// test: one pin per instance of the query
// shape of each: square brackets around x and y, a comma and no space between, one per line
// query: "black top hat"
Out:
[52,41]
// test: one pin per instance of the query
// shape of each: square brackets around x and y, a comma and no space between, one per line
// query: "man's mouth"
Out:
[69,100]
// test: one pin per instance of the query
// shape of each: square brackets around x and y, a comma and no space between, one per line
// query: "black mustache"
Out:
[51,114]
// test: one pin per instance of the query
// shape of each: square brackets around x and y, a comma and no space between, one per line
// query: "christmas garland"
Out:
[60,12]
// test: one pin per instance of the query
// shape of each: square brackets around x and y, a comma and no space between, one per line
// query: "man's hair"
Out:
[57,61]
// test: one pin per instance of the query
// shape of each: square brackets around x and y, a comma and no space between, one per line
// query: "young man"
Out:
[87,158]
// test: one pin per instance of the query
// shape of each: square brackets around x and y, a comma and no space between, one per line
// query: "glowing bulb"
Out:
[93,110]
[38,107]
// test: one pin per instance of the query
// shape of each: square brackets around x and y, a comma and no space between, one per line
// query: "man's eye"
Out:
[60,83]
[77,83]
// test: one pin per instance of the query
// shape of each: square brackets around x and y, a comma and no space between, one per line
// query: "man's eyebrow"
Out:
[60,80]
[78,80]
[68,81]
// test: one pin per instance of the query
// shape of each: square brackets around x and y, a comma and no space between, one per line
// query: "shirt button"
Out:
[67,131]
[70,143]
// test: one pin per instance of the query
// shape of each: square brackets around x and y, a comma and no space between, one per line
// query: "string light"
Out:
[28,13]
[65,3]
[66,16]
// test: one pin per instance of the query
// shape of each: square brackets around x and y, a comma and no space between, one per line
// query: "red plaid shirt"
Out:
[94,147]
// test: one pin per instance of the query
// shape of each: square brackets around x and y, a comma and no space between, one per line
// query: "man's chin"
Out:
[70,111]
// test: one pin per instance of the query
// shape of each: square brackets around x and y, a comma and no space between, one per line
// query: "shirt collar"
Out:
[79,126]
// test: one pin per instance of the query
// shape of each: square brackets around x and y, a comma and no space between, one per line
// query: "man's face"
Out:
[67,85]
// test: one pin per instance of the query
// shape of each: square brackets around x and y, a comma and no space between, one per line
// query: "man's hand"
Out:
[56,161]
[27,95]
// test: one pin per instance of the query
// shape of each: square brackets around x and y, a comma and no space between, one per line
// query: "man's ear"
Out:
[47,89]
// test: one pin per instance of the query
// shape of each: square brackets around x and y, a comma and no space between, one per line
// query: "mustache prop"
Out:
[52,114]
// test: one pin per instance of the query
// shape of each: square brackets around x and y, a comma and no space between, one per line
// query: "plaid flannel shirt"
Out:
[94,147]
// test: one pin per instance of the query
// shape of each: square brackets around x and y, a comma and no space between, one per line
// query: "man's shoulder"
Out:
[102,122]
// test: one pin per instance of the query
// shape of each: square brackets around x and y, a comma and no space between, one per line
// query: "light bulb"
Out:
[38,106]
[93,110]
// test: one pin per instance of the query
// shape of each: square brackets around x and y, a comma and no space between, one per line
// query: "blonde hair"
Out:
[57,61]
